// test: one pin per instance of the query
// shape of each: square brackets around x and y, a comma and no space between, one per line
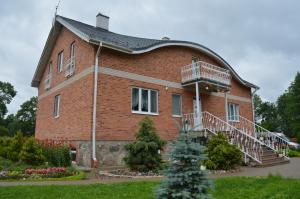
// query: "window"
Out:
[56,106]
[233,112]
[48,77]
[72,49]
[176,105]
[144,101]
[60,61]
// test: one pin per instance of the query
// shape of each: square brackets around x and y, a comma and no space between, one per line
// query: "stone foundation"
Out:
[108,153]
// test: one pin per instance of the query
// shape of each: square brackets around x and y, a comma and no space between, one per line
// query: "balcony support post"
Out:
[197,105]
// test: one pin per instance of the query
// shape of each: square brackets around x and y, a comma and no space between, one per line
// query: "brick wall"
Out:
[115,121]
[75,120]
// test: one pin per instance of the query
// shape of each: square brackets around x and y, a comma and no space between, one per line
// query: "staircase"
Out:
[255,142]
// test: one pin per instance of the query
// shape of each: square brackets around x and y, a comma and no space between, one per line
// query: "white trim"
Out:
[144,113]
[56,111]
[176,115]
[236,112]
[180,96]
[83,36]
[149,101]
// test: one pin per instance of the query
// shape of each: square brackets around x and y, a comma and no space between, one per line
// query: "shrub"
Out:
[15,147]
[298,137]
[143,154]
[31,152]
[4,146]
[221,154]
[3,131]
[294,153]
[58,156]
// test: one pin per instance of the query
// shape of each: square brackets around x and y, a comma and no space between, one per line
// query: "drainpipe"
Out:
[95,104]
[226,109]
[253,109]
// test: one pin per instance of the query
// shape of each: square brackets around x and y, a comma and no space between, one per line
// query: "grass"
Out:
[230,187]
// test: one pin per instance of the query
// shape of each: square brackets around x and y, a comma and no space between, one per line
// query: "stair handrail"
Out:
[257,156]
[263,130]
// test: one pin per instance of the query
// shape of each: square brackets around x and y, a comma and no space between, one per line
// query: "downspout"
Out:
[252,102]
[95,104]
[253,109]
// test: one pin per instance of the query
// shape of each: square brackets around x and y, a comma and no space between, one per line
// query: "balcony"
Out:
[207,73]
[70,67]
[48,82]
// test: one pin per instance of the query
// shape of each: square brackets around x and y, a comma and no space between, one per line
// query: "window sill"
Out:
[144,113]
[176,116]
[233,120]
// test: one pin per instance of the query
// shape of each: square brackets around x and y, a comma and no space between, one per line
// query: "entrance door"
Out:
[197,118]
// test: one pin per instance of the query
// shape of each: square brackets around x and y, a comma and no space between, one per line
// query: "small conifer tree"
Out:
[144,153]
[185,178]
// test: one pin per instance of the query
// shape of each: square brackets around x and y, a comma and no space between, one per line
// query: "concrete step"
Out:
[274,163]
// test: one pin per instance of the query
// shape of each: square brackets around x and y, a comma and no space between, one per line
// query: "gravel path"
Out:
[291,170]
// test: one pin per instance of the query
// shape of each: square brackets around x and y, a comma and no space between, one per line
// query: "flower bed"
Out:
[40,173]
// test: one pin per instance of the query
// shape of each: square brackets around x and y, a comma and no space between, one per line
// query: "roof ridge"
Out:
[98,28]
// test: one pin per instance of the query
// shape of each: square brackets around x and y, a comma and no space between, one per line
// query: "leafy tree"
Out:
[266,114]
[285,111]
[143,154]
[26,116]
[257,105]
[289,108]
[184,178]
[7,93]
[3,131]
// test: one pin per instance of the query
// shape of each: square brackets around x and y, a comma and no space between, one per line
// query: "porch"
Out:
[254,141]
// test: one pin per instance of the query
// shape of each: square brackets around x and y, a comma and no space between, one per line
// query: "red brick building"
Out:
[94,86]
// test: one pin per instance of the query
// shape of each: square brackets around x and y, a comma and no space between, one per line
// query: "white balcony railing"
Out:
[48,82]
[202,70]
[70,67]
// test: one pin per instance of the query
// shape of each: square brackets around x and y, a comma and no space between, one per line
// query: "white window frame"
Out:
[149,101]
[180,105]
[233,117]
[60,61]
[72,49]
[56,111]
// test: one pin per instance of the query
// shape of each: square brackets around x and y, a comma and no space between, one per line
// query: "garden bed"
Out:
[123,173]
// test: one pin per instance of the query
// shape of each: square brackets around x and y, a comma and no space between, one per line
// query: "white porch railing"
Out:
[270,139]
[248,144]
[48,82]
[205,71]
[70,67]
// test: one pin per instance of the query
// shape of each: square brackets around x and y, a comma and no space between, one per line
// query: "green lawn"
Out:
[231,187]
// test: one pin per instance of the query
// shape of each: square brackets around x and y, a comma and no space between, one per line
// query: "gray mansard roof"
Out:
[124,43]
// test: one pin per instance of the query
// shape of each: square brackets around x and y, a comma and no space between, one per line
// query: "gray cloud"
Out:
[260,39]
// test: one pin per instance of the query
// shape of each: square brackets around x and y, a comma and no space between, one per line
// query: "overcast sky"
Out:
[259,38]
